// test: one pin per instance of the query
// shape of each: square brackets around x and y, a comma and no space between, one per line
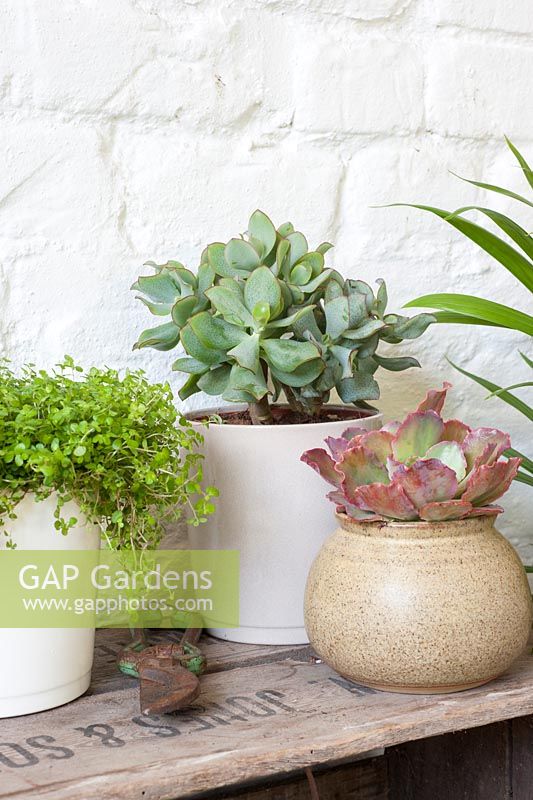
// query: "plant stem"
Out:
[260,412]
[311,409]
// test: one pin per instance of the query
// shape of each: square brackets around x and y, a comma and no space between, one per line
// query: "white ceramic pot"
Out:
[273,509]
[42,668]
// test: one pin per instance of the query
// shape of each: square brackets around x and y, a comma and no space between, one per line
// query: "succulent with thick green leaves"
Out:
[420,469]
[175,291]
[264,316]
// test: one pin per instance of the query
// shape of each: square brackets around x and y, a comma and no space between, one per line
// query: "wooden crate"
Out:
[264,715]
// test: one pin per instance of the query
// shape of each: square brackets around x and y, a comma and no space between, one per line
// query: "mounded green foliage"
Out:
[263,315]
[116,445]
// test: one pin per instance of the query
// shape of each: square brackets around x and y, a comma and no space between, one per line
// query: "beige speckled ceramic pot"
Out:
[418,607]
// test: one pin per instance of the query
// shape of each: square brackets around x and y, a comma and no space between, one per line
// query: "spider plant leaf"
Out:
[491,187]
[526,169]
[509,398]
[460,319]
[523,477]
[510,388]
[526,464]
[520,236]
[477,308]
[507,256]
[528,361]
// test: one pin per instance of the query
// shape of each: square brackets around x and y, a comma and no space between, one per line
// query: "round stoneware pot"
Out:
[272,509]
[42,668]
[418,607]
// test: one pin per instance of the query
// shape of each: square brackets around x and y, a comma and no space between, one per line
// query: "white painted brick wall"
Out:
[134,129]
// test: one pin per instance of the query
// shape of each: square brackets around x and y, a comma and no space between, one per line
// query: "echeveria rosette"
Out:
[420,469]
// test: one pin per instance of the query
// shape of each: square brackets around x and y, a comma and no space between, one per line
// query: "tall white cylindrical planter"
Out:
[42,668]
[272,509]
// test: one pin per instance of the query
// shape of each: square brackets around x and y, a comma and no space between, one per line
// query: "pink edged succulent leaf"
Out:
[420,469]
[350,436]
[351,433]
[484,446]
[391,427]
[389,501]
[379,443]
[358,467]
[419,432]
[449,509]
[343,507]
[450,454]
[484,511]
[488,482]
[336,445]
[435,399]
[428,481]
[394,467]
[322,462]
[455,431]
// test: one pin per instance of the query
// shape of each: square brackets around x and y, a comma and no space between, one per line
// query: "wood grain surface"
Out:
[263,712]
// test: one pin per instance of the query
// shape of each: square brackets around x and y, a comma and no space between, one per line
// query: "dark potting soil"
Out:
[286,416]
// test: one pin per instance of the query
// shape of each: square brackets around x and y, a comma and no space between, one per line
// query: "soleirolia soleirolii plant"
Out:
[263,316]
[115,444]
[420,469]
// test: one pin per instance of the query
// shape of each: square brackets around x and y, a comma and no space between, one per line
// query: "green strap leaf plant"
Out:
[482,311]
[468,310]
[511,259]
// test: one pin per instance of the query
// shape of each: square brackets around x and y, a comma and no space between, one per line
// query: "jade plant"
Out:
[420,469]
[263,316]
[115,445]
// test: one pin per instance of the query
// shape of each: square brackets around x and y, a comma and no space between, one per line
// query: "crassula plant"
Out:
[263,316]
[420,469]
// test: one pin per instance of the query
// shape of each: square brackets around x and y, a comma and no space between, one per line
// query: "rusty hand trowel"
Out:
[168,673]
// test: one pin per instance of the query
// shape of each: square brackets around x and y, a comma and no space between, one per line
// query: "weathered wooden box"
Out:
[264,716]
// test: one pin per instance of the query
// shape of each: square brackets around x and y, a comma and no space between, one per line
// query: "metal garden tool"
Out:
[168,673]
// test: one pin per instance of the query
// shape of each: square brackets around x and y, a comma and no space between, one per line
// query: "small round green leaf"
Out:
[163,337]
[261,312]
[195,348]
[246,354]
[263,287]
[230,306]
[301,376]
[287,354]
[261,228]
[183,309]
[299,246]
[301,274]
[159,288]
[241,255]
[215,332]
[215,381]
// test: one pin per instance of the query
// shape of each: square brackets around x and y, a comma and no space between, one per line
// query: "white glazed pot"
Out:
[272,508]
[42,668]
